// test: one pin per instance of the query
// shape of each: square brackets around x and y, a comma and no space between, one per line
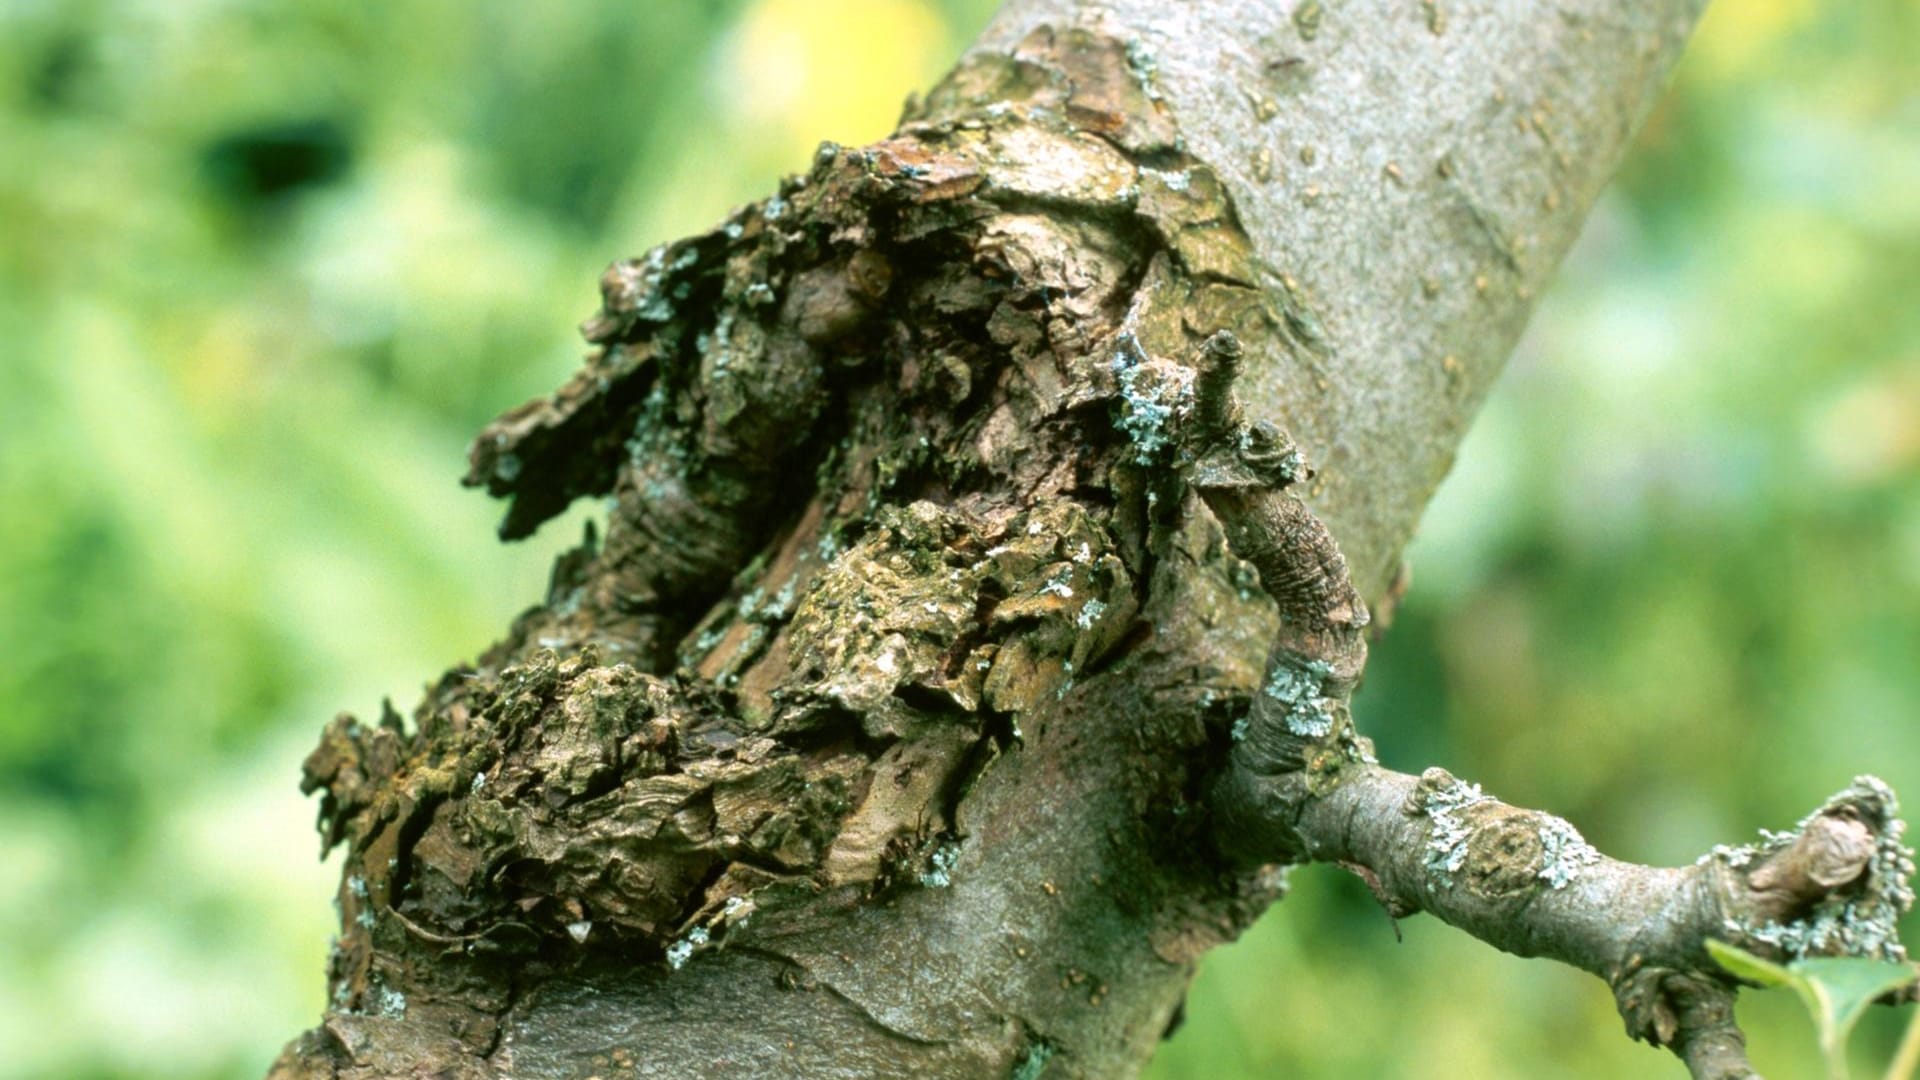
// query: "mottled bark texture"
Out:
[971,642]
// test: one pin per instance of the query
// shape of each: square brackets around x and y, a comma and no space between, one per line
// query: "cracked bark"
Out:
[995,516]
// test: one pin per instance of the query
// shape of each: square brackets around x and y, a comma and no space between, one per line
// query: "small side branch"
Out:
[1528,883]
[1300,785]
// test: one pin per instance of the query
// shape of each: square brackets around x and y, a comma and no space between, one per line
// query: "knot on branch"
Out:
[1639,993]
[1296,740]
[1245,472]
[1225,450]
[1833,850]
[1834,885]
[1688,1012]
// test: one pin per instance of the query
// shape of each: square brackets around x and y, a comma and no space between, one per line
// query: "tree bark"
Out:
[995,518]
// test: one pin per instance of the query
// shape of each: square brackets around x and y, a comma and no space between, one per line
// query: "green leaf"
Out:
[1745,965]
[1844,986]
[1835,989]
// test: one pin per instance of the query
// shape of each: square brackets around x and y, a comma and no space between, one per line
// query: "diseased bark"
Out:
[972,638]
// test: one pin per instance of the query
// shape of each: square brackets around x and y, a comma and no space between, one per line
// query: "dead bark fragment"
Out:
[891,551]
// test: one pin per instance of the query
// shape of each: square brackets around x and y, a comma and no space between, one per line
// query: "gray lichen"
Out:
[1033,1063]
[389,1003]
[1174,180]
[1731,855]
[1861,919]
[682,950]
[1446,850]
[1563,852]
[1292,464]
[649,301]
[1154,397]
[1302,690]
[1090,613]
[1145,67]
[939,872]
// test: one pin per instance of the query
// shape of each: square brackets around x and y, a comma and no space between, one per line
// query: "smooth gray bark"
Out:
[1416,171]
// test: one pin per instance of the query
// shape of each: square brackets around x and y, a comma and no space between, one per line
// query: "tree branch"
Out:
[876,734]
[1526,882]
[1302,786]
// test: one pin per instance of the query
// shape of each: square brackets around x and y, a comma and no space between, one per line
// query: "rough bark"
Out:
[971,641]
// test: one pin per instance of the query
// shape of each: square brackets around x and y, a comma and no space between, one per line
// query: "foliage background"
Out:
[266,264]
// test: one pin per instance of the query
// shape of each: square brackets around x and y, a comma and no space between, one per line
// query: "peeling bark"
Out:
[973,634]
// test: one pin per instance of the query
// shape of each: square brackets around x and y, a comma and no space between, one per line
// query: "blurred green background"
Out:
[266,266]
